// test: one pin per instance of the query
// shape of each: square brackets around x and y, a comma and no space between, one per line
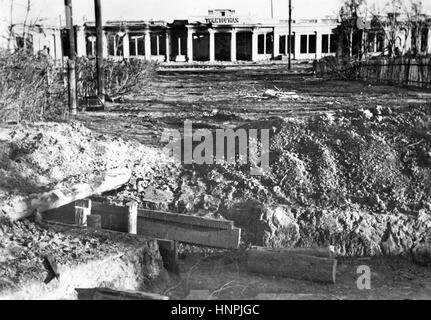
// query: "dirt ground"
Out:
[226,277]
[228,98]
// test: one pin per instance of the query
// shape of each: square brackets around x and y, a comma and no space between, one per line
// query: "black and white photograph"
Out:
[217,155]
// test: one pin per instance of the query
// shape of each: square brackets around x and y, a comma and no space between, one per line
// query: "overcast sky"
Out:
[174,9]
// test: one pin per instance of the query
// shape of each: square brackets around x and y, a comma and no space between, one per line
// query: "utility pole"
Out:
[71,67]
[290,35]
[99,52]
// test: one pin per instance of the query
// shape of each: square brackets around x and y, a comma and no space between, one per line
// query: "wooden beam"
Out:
[287,263]
[111,294]
[169,226]
[187,219]
[210,237]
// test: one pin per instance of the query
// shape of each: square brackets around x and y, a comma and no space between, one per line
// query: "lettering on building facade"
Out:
[223,20]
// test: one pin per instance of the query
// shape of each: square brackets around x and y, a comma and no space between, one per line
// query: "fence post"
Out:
[82,211]
[132,217]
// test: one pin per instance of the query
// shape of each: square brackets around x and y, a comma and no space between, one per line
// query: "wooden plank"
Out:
[111,294]
[292,265]
[186,219]
[104,209]
[161,225]
[197,235]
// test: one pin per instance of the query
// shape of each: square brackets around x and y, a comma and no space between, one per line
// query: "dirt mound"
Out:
[35,158]
[359,181]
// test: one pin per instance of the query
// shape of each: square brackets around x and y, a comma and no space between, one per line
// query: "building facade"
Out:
[222,35]
[219,36]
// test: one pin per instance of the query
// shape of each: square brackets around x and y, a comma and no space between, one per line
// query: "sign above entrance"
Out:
[222,20]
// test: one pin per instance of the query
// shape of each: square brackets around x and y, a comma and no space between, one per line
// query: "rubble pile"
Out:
[356,180]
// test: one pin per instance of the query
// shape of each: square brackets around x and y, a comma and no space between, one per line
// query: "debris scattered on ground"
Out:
[279,94]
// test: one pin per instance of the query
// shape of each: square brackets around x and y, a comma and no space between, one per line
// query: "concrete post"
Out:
[276,44]
[408,41]
[58,46]
[254,46]
[168,46]
[136,39]
[264,43]
[212,45]
[319,45]
[190,44]
[158,45]
[105,45]
[429,39]
[147,41]
[297,46]
[93,45]
[80,39]
[233,46]
[126,46]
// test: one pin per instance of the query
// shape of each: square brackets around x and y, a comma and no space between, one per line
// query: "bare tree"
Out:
[401,20]
[349,13]
[25,27]
[10,24]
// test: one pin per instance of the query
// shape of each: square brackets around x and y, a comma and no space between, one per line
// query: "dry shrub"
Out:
[121,77]
[30,88]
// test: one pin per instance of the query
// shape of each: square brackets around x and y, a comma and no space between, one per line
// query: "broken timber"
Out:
[160,225]
[57,198]
[314,264]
